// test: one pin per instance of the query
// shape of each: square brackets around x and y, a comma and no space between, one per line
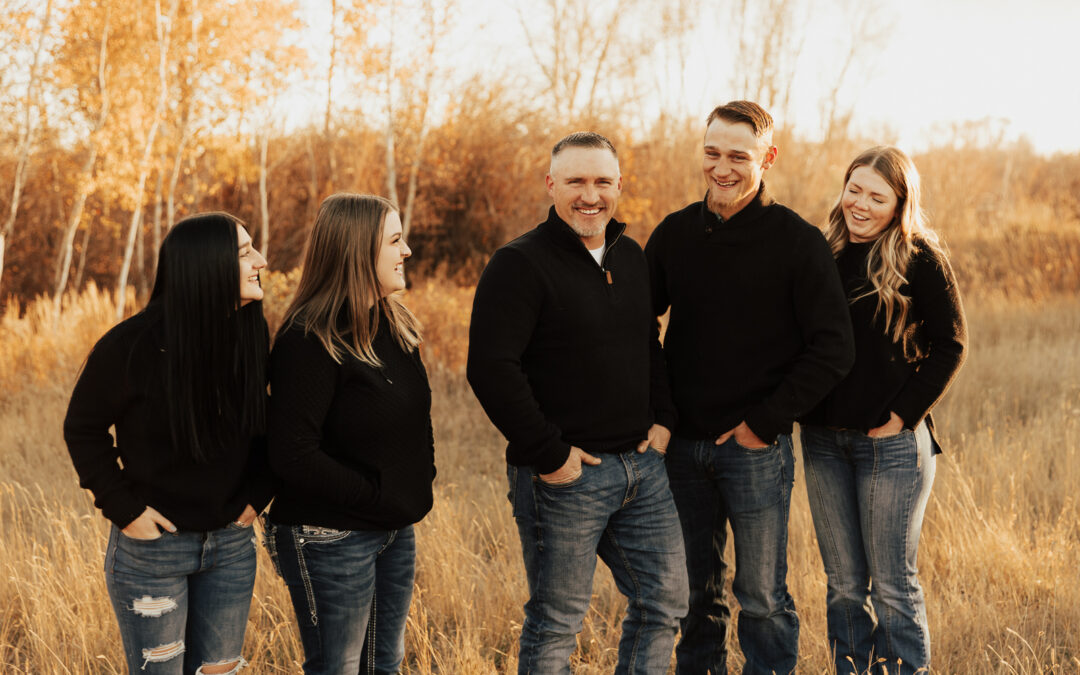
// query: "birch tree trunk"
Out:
[26,138]
[163,33]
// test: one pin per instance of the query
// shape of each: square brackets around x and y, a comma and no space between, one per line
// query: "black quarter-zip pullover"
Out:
[563,351]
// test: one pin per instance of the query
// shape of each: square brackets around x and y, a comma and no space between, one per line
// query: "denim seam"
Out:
[637,593]
[302,564]
[907,534]
[834,549]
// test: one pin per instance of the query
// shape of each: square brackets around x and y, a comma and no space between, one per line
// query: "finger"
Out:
[589,459]
[643,446]
[163,521]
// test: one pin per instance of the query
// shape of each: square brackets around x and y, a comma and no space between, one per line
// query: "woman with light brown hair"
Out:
[869,447]
[350,439]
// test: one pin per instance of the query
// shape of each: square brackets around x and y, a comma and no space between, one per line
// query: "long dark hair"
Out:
[215,350]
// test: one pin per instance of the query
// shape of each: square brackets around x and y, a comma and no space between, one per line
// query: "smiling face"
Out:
[251,261]
[390,263]
[585,185]
[869,205]
[734,162]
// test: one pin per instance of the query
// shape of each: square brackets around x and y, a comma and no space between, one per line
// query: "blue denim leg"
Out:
[622,511]
[181,600]
[756,486]
[832,466]
[703,515]
[892,481]
[339,580]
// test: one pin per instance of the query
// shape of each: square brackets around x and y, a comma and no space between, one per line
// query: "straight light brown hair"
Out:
[339,286]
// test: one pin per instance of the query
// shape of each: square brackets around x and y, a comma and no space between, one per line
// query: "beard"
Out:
[587,232]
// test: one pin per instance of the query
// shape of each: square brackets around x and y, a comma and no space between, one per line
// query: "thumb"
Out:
[589,459]
[643,446]
[162,520]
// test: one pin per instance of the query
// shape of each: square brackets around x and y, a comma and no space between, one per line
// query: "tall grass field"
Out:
[1000,554]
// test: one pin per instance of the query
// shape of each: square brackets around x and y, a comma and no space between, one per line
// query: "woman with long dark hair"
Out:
[184,384]
[869,446]
[350,439]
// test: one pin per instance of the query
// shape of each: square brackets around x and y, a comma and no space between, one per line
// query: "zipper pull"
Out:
[607,273]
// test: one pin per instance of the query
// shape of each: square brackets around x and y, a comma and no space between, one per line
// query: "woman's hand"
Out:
[146,525]
[247,517]
[894,426]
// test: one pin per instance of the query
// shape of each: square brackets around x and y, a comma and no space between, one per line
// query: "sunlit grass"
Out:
[999,557]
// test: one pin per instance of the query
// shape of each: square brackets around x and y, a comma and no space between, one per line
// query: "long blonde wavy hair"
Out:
[887,262]
[339,284]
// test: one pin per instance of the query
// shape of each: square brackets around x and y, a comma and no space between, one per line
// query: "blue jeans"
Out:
[351,591]
[182,600]
[622,511]
[714,484]
[868,497]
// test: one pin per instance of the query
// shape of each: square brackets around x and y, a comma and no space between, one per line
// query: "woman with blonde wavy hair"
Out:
[869,447]
[349,436]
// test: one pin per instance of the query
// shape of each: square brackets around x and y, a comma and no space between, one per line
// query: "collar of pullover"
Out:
[746,215]
[559,232]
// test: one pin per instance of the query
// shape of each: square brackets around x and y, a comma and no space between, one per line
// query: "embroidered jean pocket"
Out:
[316,534]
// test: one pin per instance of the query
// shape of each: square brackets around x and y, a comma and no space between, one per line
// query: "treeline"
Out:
[122,116]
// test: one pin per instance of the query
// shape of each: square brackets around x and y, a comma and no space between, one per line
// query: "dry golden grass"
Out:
[1000,558]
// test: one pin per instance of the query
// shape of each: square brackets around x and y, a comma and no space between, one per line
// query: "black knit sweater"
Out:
[563,351]
[906,377]
[122,384]
[759,328]
[351,444]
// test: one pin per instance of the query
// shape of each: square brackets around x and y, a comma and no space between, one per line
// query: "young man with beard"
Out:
[564,357]
[759,332]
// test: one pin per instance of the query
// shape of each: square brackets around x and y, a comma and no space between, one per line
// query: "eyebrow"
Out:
[879,194]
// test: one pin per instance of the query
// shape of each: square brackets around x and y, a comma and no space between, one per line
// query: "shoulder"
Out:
[689,213]
[127,335]
[294,343]
[928,263]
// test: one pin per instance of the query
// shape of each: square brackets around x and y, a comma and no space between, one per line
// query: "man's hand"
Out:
[658,438]
[894,426]
[744,436]
[146,525]
[571,469]
[247,517]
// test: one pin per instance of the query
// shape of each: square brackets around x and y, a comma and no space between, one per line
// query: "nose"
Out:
[405,250]
[260,261]
[591,194]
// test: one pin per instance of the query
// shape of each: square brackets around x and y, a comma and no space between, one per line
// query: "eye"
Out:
[879,201]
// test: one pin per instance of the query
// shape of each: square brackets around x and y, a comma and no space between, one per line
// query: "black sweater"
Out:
[906,377]
[563,351]
[352,444]
[759,328]
[122,384]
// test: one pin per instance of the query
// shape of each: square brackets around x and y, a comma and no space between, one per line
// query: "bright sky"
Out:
[940,61]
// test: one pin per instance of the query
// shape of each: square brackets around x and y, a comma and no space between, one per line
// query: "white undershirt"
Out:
[598,253]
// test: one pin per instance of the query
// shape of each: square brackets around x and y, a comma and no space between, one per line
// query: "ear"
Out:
[618,184]
[770,157]
[550,185]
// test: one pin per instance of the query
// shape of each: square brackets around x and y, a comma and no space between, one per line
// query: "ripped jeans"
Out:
[351,591]
[182,599]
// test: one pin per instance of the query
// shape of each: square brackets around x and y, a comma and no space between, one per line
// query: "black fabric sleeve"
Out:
[261,483]
[506,308]
[303,381]
[97,403]
[663,405]
[824,321]
[934,292]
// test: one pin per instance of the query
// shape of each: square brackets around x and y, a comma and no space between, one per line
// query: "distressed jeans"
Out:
[620,510]
[351,591]
[714,484]
[182,600]
[868,497]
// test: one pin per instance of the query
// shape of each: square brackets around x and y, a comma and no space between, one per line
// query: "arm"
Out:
[824,321]
[303,382]
[664,411]
[97,403]
[934,292]
[506,308]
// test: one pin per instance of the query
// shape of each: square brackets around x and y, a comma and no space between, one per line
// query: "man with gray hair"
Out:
[564,358]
